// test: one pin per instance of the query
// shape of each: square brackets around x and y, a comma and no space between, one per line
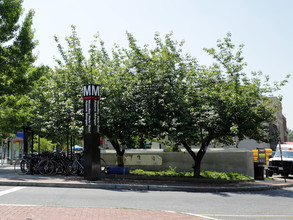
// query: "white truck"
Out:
[282,162]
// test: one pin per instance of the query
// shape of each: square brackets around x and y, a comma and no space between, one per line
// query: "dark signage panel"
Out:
[91,105]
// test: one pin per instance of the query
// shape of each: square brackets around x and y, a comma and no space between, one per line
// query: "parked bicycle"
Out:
[22,166]
[76,167]
[53,164]
[34,164]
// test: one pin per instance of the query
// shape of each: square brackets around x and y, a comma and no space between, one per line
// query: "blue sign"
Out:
[19,134]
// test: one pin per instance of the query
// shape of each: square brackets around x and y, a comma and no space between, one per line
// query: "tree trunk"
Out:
[237,143]
[196,168]
[119,152]
[197,157]
[141,143]
[194,157]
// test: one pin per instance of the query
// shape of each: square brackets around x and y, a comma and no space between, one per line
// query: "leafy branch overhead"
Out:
[17,73]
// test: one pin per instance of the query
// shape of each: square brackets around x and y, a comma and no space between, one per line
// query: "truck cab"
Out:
[282,161]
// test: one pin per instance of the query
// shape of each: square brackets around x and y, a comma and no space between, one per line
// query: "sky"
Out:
[265,27]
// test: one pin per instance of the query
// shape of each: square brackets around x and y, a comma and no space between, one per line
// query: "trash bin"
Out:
[259,171]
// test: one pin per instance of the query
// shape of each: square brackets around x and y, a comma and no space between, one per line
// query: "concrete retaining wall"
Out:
[221,160]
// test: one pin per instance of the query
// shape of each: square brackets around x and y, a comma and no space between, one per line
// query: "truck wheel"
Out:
[269,173]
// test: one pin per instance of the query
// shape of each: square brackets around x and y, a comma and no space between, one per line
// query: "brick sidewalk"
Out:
[78,213]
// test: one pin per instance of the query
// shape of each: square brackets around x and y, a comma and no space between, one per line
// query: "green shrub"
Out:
[171,172]
[224,176]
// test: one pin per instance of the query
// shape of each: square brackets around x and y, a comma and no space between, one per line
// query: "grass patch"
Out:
[171,172]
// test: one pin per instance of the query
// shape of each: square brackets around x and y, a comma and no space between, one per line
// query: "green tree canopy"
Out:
[16,49]
[223,103]
[157,93]
[58,95]
[17,74]
[193,104]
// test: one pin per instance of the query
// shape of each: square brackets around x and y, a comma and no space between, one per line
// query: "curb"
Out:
[144,187]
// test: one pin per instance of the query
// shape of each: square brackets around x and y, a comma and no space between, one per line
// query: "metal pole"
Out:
[2,153]
[39,144]
[25,139]
[32,147]
[8,150]
[67,143]
[71,147]
[281,154]
[11,148]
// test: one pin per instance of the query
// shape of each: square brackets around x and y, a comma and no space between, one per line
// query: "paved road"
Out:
[254,205]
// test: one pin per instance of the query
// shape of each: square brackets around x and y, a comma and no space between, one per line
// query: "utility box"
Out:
[260,158]
[259,171]
[258,155]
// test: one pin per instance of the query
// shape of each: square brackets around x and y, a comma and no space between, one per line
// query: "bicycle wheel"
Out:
[60,166]
[56,169]
[73,169]
[103,166]
[45,167]
[21,167]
